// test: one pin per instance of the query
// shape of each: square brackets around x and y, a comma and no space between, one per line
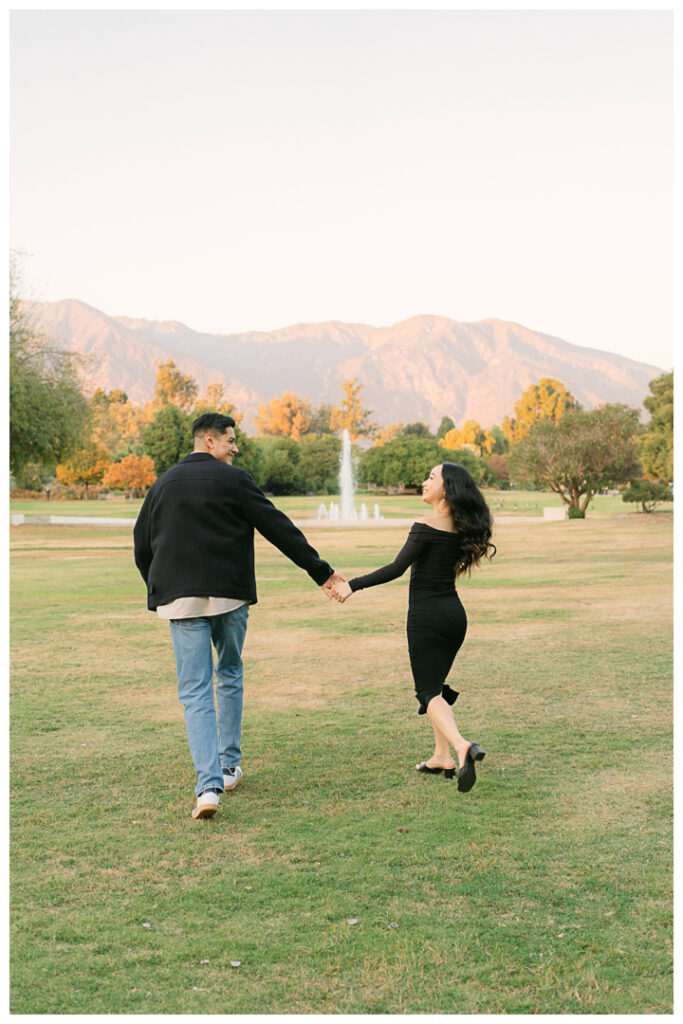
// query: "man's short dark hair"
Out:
[211,421]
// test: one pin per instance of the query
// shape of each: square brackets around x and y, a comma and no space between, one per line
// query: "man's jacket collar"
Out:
[198,456]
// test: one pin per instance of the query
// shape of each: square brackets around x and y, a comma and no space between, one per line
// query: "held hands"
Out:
[328,585]
[337,588]
[341,591]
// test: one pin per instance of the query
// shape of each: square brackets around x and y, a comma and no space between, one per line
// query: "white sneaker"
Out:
[207,804]
[231,776]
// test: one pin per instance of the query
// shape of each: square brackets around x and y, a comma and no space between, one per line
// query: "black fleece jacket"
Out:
[194,536]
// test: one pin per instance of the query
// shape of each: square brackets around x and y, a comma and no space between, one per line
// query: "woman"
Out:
[439,548]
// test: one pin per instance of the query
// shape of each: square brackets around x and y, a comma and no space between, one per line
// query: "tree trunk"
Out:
[576,498]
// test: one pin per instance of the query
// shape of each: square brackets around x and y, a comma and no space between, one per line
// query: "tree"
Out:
[134,473]
[445,425]
[103,399]
[116,424]
[470,434]
[32,477]
[319,462]
[286,416]
[173,387]
[85,467]
[417,430]
[501,445]
[407,461]
[168,438]
[215,399]
[281,471]
[320,420]
[351,415]
[496,472]
[381,435]
[48,410]
[657,442]
[580,453]
[549,399]
[648,492]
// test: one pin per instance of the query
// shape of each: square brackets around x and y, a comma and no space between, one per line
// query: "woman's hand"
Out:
[341,591]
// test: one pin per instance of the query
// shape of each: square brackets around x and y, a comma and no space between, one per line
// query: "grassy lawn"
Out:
[547,889]
[503,503]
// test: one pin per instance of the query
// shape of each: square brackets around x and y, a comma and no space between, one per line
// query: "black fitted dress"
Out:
[436,619]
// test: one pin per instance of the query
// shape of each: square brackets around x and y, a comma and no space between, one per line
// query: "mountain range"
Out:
[420,369]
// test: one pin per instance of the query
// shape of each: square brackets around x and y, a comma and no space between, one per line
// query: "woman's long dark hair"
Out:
[471,516]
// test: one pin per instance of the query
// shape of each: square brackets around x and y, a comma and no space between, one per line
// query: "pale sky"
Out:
[249,170]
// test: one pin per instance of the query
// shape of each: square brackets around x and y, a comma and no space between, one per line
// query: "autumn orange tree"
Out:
[84,467]
[351,415]
[286,416]
[134,474]
[547,400]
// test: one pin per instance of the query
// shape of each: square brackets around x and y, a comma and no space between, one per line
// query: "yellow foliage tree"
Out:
[286,416]
[215,400]
[117,424]
[173,387]
[384,434]
[547,400]
[470,435]
[351,415]
[134,473]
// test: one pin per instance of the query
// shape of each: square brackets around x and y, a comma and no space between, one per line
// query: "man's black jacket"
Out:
[194,536]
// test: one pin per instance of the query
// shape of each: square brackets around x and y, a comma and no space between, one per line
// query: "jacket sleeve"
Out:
[142,541]
[406,556]
[276,527]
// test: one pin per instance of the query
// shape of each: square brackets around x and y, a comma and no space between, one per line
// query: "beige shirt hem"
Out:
[196,607]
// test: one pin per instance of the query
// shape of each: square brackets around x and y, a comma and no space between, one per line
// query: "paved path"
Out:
[19,519]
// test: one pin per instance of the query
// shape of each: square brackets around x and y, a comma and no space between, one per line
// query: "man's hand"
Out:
[328,585]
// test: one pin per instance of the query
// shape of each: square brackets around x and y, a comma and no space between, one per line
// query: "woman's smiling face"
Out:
[432,488]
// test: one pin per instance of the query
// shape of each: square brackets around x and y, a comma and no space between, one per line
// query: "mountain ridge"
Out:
[421,368]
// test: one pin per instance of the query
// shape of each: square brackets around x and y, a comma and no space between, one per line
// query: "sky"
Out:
[248,170]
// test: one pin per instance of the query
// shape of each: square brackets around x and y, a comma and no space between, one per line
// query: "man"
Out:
[194,547]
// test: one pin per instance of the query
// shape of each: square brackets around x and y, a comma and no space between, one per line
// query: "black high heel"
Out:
[467,776]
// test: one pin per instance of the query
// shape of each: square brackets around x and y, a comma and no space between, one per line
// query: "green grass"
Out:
[503,503]
[547,889]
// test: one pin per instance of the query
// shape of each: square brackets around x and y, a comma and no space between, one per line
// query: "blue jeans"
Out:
[214,741]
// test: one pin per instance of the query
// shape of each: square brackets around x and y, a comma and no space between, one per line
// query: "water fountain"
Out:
[346,483]
[346,512]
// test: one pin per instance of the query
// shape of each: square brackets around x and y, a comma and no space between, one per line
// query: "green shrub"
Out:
[648,492]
